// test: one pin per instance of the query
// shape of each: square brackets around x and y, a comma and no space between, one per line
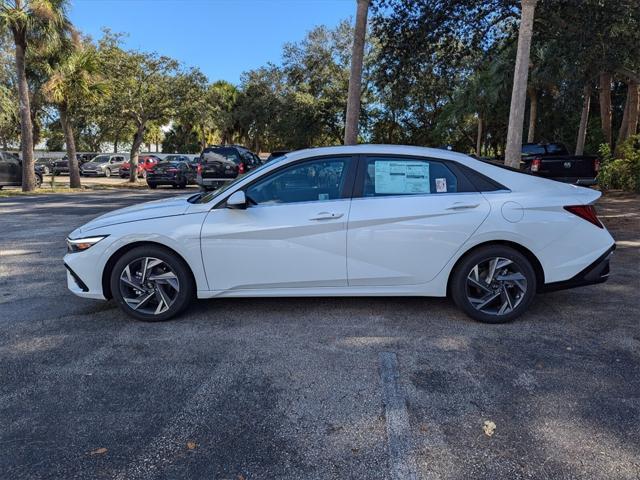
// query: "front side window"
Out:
[312,181]
[101,159]
[406,176]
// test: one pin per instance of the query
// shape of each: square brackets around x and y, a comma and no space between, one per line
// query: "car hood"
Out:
[145,211]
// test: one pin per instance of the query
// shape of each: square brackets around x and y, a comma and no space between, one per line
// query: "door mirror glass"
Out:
[237,200]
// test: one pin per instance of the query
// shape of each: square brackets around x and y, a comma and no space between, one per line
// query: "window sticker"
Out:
[397,177]
[441,185]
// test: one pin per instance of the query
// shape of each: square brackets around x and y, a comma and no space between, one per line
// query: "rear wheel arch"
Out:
[528,254]
[108,268]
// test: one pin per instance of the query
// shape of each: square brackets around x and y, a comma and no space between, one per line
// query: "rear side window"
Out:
[406,176]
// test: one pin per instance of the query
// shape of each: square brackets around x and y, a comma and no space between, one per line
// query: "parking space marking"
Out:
[401,460]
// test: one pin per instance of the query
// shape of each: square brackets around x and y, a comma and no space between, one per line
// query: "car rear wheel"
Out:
[152,186]
[38,181]
[152,284]
[493,284]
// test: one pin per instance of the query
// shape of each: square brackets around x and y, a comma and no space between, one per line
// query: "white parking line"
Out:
[401,459]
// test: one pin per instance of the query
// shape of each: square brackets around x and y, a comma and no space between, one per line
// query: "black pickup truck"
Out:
[552,160]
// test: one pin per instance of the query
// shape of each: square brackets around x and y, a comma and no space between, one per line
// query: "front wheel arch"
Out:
[529,255]
[108,268]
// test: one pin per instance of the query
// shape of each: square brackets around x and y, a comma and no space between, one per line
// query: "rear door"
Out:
[408,217]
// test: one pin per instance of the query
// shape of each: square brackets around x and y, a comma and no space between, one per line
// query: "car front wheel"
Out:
[493,284]
[107,172]
[152,284]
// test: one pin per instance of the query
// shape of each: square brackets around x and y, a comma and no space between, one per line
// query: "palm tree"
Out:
[74,80]
[355,79]
[30,21]
[519,92]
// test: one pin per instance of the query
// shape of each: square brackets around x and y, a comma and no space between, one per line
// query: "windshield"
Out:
[100,159]
[226,153]
[533,149]
[207,197]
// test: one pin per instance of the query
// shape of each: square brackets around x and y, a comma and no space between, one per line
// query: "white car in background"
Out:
[367,220]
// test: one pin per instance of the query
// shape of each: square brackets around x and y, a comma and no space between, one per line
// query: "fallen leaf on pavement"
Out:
[99,451]
[191,445]
[489,428]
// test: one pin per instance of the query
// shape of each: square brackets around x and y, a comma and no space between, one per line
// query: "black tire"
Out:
[152,186]
[458,286]
[107,172]
[38,181]
[174,185]
[187,288]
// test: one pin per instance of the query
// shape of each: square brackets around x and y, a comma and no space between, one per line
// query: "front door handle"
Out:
[327,216]
[463,206]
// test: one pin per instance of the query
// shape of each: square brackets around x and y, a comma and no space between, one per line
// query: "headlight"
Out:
[82,244]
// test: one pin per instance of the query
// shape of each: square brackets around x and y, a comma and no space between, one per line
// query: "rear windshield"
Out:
[557,149]
[533,149]
[226,153]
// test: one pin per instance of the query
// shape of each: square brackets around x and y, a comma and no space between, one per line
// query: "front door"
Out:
[408,217]
[292,235]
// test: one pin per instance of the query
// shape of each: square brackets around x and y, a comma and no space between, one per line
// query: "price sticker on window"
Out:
[401,177]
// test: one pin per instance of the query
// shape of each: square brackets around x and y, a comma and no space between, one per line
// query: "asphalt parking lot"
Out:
[309,388]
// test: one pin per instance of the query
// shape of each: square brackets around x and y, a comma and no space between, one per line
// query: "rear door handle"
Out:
[327,216]
[463,206]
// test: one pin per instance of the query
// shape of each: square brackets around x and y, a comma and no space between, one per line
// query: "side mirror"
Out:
[237,200]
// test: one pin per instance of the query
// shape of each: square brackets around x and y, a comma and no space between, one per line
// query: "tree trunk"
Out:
[622,133]
[584,120]
[634,108]
[355,78]
[26,127]
[533,114]
[138,138]
[479,137]
[74,170]
[519,93]
[605,106]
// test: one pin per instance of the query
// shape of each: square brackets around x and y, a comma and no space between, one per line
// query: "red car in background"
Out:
[145,163]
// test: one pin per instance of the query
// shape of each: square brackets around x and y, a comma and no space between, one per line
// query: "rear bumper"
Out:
[596,272]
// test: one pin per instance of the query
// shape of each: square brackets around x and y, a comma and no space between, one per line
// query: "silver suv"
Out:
[104,165]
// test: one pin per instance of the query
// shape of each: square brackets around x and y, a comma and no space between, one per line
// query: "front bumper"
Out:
[596,272]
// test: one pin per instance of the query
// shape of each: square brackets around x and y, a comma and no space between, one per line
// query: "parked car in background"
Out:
[176,158]
[222,164]
[145,163]
[362,220]
[45,164]
[61,166]
[552,160]
[178,174]
[277,154]
[11,171]
[104,165]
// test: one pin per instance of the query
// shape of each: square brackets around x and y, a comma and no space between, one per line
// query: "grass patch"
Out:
[47,188]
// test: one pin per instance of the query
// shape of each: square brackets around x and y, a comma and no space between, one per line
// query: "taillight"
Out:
[535,164]
[241,167]
[586,212]
[199,169]
[596,165]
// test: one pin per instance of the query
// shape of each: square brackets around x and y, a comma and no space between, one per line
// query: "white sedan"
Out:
[366,220]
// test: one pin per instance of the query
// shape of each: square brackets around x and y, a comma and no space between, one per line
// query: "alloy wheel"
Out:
[496,286]
[149,286]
